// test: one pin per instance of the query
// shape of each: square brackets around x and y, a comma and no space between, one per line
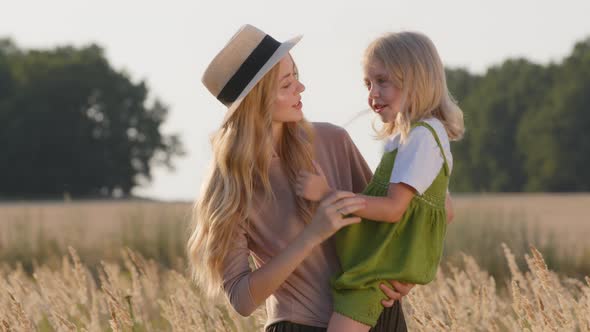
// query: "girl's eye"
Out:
[381,81]
[367,84]
[286,86]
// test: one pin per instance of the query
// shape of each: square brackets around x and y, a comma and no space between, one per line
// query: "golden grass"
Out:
[94,221]
[140,295]
[102,285]
[467,300]
[566,216]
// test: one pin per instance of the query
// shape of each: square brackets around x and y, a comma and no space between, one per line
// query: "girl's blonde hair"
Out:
[416,69]
[242,150]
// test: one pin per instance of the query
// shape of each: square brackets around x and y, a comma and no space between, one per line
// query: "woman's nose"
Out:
[301,87]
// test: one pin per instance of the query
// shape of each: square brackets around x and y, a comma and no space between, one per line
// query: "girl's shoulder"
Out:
[419,133]
[423,132]
[423,135]
[392,143]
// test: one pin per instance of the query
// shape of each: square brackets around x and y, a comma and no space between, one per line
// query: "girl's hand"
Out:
[399,290]
[312,186]
[331,212]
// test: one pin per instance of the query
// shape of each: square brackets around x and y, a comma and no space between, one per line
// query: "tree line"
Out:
[71,123]
[528,126]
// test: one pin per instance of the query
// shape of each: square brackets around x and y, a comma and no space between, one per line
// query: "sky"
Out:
[168,44]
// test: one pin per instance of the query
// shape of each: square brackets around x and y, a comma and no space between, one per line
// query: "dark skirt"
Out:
[391,319]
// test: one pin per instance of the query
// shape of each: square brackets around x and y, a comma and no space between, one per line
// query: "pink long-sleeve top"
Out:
[305,296]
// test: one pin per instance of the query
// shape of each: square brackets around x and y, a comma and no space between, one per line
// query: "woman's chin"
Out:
[292,120]
[298,117]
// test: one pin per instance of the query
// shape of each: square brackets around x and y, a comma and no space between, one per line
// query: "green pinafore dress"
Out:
[373,252]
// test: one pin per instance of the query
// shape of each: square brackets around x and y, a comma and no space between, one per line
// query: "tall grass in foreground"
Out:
[104,286]
[140,295]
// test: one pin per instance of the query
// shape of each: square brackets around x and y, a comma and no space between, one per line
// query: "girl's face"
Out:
[384,97]
[287,105]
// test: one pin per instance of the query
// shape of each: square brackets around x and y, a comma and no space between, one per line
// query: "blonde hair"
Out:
[242,150]
[415,67]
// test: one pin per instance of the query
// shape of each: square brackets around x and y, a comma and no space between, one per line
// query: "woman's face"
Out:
[287,105]
[384,97]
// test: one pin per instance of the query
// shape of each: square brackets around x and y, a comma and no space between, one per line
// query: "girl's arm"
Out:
[313,186]
[387,209]
[390,208]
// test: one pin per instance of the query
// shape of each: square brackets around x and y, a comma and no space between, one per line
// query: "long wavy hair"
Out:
[415,68]
[242,153]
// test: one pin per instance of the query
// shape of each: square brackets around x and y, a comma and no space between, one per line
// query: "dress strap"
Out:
[429,127]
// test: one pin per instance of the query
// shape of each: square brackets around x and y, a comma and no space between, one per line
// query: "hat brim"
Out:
[273,60]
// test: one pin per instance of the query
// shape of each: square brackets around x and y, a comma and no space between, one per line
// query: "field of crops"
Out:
[120,266]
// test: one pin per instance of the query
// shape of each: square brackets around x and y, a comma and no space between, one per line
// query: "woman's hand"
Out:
[312,186]
[331,214]
[449,208]
[396,293]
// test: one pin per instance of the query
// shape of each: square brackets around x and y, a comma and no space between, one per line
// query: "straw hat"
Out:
[242,62]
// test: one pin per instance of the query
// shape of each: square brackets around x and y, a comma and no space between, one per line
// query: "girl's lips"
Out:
[378,108]
[298,106]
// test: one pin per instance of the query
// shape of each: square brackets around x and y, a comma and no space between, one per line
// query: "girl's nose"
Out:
[374,92]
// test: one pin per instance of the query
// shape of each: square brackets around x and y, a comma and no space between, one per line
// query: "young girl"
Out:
[404,223]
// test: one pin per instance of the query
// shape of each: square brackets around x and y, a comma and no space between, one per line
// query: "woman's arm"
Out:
[266,280]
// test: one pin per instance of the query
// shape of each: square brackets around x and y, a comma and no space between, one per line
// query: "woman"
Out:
[248,207]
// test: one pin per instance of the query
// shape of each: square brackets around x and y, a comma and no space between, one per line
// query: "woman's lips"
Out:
[298,106]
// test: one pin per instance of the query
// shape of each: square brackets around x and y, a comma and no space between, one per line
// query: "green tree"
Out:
[461,84]
[72,123]
[557,156]
[488,159]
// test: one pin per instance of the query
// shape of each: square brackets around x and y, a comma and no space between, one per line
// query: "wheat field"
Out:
[512,263]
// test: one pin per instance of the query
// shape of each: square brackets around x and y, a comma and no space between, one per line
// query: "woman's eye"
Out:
[286,86]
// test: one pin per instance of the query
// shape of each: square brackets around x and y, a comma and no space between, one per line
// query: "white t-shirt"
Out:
[419,159]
